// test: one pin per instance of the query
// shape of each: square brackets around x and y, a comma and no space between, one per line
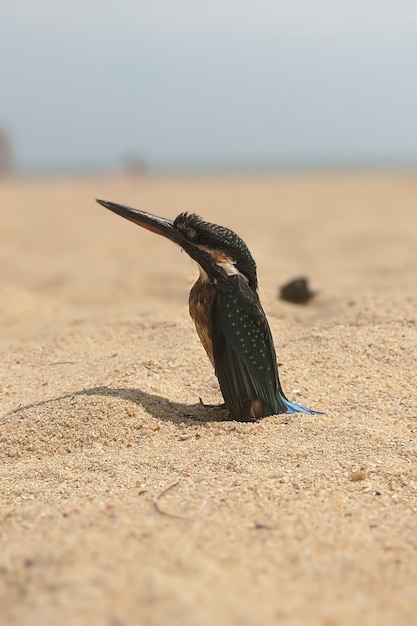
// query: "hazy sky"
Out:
[220,82]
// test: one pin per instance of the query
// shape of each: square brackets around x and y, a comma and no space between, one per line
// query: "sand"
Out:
[122,499]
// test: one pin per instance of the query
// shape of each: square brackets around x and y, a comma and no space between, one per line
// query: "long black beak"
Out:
[159,225]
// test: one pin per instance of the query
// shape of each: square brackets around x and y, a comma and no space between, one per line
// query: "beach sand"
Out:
[122,499]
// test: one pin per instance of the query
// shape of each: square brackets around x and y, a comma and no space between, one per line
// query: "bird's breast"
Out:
[201,298]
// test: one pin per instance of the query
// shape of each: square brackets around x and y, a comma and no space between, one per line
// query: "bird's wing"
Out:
[244,353]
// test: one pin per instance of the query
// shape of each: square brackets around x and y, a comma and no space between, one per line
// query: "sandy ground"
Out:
[122,500]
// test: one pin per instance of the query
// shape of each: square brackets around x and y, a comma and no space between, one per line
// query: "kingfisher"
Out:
[225,307]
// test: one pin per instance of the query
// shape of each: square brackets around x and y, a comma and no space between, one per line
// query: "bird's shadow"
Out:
[159,407]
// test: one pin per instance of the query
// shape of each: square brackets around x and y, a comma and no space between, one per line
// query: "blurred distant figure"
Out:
[6,156]
[133,166]
[296,291]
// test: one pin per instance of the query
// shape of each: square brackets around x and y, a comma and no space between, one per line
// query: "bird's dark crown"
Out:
[214,238]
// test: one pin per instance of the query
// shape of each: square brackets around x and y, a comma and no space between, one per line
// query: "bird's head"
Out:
[218,251]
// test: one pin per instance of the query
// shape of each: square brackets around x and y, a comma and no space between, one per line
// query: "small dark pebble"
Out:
[296,291]
[258,526]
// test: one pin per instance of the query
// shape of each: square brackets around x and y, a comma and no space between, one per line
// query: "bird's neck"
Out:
[227,268]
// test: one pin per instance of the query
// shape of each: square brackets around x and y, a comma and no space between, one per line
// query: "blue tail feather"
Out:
[292,407]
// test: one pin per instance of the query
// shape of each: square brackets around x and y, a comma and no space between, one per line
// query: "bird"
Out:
[225,307]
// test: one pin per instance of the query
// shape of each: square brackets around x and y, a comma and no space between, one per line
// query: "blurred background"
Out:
[175,84]
[293,123]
